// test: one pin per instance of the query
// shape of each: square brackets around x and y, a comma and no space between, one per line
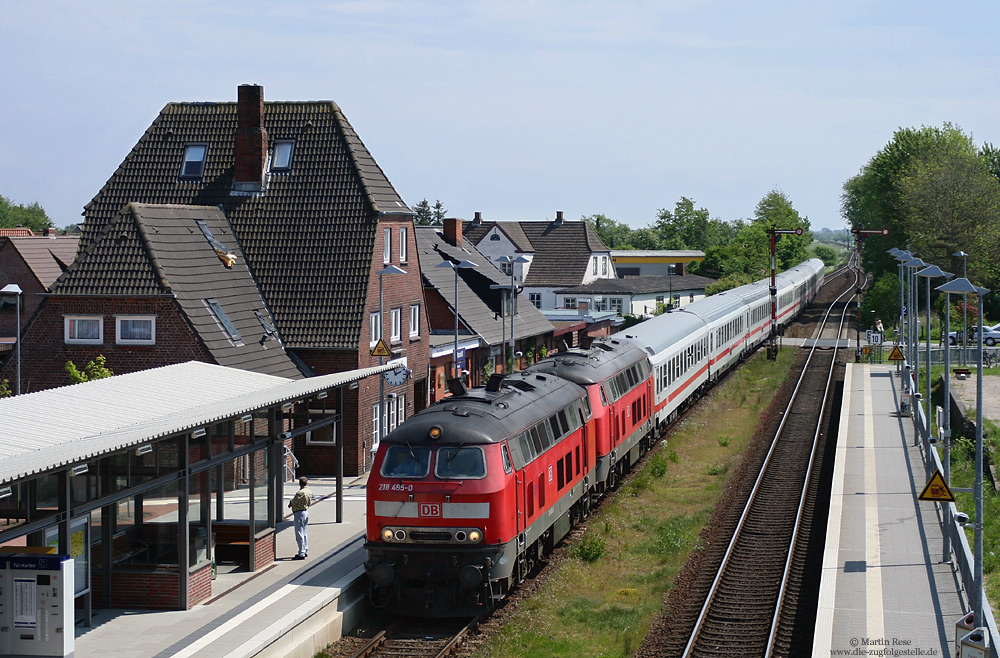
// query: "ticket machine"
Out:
[36,605]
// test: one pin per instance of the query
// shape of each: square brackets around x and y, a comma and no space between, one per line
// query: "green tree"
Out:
[827,254]
[775,211]
[614,234]
[5,388]
[428,215]
[96,369]
[30,216]
[874,198]
[684,228]
[951,202]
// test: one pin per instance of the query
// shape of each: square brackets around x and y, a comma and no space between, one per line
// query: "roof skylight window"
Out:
[194,161]
[281,158]
[220,315]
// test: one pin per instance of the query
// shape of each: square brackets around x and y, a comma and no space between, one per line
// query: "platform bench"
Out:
[232,542]
[961,373]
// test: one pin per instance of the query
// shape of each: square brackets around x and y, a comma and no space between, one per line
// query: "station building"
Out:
[153,480]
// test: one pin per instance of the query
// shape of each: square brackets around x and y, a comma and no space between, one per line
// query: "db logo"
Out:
[429,509]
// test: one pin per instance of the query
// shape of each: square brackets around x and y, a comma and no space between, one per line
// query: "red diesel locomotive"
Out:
[466,495]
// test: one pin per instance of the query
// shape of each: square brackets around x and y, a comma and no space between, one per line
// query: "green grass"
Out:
[604,596]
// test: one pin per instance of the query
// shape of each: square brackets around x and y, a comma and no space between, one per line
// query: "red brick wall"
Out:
[266,552]
[44,351]
[152,590]
[13,269]
[199,585]
[398,291]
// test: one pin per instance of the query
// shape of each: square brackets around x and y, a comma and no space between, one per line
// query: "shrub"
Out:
[590,548]
[658,466]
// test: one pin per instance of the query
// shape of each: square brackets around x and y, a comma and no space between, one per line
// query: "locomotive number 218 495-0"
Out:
[396,486]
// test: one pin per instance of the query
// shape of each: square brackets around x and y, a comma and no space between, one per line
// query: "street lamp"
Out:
[929,272]
[965,309]
[462,265]
[911,266]
[964,287]
[513,304]
[388,269]
[13,291]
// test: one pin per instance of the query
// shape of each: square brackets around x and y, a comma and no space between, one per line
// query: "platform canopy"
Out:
[58,427]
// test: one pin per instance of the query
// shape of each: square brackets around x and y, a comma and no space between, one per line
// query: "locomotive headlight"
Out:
[386,534]
[475,536]
[435,433]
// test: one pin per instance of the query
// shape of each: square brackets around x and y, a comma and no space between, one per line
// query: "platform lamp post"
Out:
[965,328]
[12,291]
[462,265]
[913,354]
[929,272]
[513,304]
[946,423]
[388,269]
[964,287]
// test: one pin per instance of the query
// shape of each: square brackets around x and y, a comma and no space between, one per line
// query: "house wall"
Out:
[44,351]
[13,269]
[398,291]
[605,267]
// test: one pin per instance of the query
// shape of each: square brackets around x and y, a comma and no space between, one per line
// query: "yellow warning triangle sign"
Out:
[896,355]
[381,348]
[937,489]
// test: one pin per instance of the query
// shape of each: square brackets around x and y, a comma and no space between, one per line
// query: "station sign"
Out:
[937,489]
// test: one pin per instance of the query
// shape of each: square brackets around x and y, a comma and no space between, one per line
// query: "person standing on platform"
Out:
[300,503]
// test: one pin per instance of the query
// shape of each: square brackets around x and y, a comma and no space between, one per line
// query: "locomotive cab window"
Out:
[403,461]
[460,463]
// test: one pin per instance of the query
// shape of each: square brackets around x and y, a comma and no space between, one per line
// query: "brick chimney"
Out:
[453,231]
[250,151]
[478,219]
[559,218]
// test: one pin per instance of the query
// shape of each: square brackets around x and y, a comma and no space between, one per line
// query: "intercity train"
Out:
[467,495]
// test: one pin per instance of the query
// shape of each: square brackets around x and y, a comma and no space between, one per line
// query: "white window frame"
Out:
[570,302]
[374,327]
[604,265]
[507,268]
[133,341]
[403,232]
[395,324]
[70,320]
[617,303]
[333,429]
[535,298]
[594,269]
[376,435]
[414,320]
[386,245]
[188,151]
[280,145]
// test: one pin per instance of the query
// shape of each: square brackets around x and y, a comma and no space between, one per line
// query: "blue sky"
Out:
[513,108]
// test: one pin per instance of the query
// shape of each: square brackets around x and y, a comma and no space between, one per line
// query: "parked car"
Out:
[991,337]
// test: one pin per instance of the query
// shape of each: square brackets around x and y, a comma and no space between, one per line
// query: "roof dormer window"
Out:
[194,161]
[281,158]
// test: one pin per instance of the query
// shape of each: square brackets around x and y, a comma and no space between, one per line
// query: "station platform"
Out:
[884,583]
[291,608]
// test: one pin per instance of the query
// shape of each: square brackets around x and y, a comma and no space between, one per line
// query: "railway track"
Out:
[757,597]
[417,639]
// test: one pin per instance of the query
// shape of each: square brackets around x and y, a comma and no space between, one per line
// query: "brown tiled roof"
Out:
[19,232]
[478,304]
[47,257]
[161,250]
[308,239]
[561,250]
[476,232]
